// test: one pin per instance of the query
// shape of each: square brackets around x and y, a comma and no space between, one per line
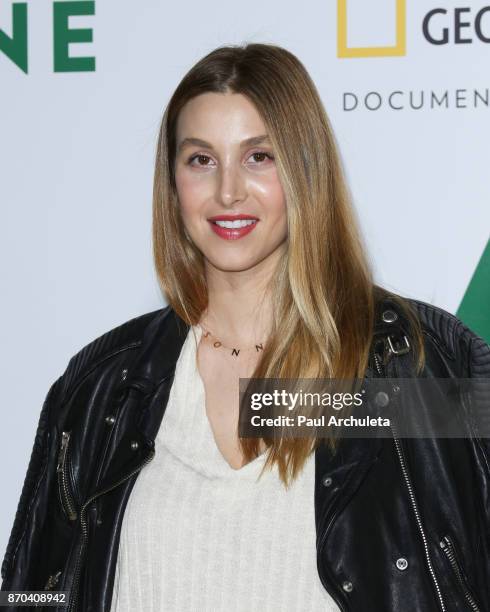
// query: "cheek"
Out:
[189,193]
[270,192]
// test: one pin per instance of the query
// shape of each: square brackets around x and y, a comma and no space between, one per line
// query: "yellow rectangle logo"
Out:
[399,48]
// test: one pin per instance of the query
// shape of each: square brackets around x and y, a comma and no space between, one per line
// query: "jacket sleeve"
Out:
[479,369]
[23,544]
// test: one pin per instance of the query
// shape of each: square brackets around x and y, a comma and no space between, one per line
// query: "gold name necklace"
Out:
[234,351]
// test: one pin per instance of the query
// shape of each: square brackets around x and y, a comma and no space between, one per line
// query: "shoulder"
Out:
[123,337]
[452,337]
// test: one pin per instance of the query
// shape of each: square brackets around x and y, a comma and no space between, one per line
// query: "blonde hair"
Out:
[324,294]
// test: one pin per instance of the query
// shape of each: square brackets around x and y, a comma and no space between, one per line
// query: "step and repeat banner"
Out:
[83,85]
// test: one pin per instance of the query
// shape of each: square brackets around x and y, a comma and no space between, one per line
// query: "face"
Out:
[231,201]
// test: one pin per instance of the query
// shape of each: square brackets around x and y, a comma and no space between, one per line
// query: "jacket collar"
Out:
[160,348]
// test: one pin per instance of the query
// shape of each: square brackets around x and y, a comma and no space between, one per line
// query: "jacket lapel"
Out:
[345,470]
[146,390]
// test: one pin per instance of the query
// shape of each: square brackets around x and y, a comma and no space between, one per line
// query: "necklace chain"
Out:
[234,351]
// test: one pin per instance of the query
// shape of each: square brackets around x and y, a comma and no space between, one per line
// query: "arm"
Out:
[23,545]
[479,368]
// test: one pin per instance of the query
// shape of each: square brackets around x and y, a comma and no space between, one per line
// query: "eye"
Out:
[200,157]
[261,154]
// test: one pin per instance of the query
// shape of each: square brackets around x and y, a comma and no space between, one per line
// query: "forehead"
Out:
[227,117]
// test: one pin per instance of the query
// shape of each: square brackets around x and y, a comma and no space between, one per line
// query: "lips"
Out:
[233,227]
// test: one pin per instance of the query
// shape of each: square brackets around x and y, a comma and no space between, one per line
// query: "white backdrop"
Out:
[77,153]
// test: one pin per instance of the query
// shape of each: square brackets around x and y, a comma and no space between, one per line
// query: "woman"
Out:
[258,254]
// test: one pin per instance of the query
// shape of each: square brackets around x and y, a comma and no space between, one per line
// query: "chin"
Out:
[233,264]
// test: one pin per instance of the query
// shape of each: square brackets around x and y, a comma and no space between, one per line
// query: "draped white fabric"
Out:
[199,536]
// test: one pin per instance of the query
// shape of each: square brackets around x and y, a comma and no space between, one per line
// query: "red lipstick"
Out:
[237,230]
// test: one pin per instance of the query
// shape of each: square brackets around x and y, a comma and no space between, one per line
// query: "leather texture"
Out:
[382,506]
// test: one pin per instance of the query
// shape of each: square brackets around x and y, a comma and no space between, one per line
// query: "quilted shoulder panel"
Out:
[130,333]
[449,330]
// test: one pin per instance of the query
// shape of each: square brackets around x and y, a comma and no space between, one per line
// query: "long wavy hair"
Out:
[324,297]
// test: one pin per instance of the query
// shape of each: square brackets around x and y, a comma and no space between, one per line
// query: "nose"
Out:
[231,186]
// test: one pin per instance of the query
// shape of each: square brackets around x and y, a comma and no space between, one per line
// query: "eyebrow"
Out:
[255,140]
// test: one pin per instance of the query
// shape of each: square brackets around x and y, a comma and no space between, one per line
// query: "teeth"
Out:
[235,224]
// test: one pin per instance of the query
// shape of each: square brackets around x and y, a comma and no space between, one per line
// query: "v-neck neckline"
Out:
[251,465]
[186,430]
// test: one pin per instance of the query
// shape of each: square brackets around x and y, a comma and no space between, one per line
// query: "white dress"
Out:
[200,536]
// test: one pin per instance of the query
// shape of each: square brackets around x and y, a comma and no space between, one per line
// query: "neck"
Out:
[239,309]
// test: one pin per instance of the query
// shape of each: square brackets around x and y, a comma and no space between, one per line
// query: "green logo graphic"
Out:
[474,309]
[15,47]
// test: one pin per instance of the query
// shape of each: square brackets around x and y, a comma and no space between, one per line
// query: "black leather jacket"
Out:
[382,506]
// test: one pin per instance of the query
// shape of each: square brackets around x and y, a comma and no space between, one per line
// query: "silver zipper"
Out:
[83,523]
[413,501]
[66,498]
[52,581]
[448,547]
